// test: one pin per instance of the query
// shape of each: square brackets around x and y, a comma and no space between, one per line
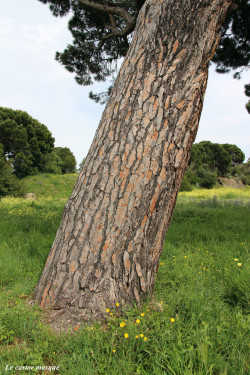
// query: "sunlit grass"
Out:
[220,193]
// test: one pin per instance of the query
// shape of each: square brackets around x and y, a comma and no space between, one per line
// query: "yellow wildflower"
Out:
[136,336]
[145,338]
[185,257]
[143,314]
[172,320]
[122,324]
[107,310]
[114,350]
[162,264]
[111,314]
[126,335]
[117,304]
[239,264]
[138,321]
[236,260]
[141,335]
[161,301]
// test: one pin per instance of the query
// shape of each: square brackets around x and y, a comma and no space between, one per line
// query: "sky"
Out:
[31,80]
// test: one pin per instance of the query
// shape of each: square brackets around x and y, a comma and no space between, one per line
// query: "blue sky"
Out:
[31,80]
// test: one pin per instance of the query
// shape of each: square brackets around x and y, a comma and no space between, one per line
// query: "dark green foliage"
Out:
[206,178]
[100,36]
[26,141]
[102,33]
[234,48]
[247,92]
[186,185]
[67,161]
[52,163]
[213,156]
[211,160]
[9,184]
[243,172]
[237,156]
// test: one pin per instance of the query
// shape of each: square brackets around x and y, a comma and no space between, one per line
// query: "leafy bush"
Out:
[243,172]
[186,185]
[206,178]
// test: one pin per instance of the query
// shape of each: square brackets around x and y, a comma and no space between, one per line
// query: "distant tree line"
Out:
[209,161]
[27,148]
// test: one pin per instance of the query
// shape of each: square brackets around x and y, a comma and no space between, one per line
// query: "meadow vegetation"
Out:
[197,322]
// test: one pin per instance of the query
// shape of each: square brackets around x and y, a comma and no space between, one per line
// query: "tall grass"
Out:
[196,322]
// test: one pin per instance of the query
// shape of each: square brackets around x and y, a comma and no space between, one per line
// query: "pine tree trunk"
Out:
[108,245]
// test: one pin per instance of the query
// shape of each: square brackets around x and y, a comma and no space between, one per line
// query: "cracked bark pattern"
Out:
[108,245]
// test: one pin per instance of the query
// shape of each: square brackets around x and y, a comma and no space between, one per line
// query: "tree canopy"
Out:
[217,157]
[9,183]
[211,160]
[67,161]
[25,141]
[247,92]
[28,146]
[102,32]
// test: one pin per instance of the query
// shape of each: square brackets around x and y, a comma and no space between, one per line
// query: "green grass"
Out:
[199,284]
[50,185]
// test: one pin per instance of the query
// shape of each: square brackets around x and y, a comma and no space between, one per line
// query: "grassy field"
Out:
[196,323]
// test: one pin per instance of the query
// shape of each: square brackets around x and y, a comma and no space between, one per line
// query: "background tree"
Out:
[102,32]
[67,160]
[25,141]
[247,92]
[211,155]
[9,183]
[52,163]
[236,155]
[209,161]
[243,172]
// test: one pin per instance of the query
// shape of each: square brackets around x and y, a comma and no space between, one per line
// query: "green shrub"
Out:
[186,186]
[206,178]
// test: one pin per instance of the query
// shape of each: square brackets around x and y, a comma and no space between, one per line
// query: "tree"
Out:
[209,160]
[67,161]
[108,245]
[212,156]
[102,31]
[236,155]
[247,92]
[26,141]
[9,184]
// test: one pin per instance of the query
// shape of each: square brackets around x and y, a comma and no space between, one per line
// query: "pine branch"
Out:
[111,9]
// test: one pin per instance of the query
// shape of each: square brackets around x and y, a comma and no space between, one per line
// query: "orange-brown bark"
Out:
[108,245]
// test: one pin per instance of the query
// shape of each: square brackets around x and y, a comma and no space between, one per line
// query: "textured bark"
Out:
[108,245]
